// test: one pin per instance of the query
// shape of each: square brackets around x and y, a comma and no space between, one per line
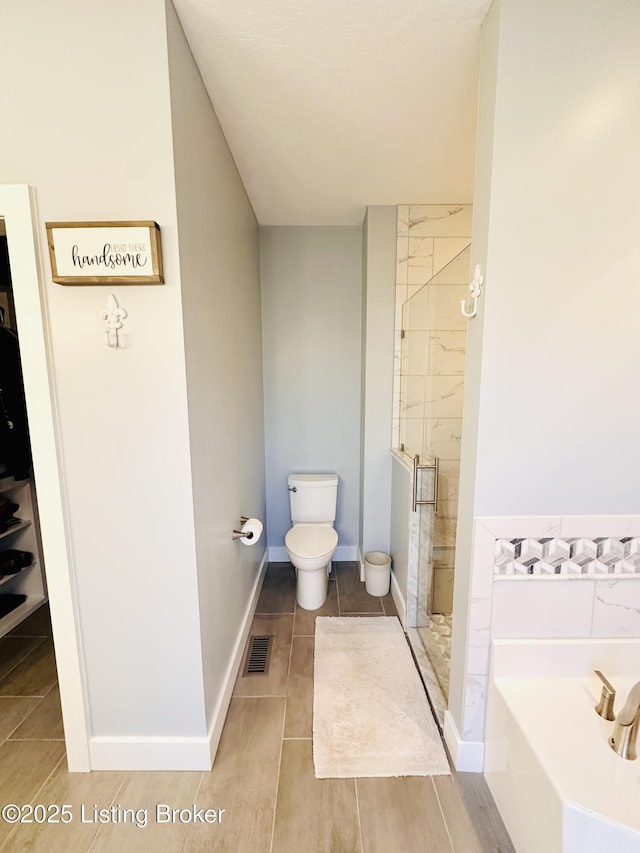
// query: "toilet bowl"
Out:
[310,548]
[312,541]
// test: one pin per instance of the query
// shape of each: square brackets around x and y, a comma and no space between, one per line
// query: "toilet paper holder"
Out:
[238,534]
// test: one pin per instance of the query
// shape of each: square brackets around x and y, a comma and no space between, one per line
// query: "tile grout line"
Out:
[27,695]
[263,696]
[355,788]
[444,818]
[24,657]
[282,738]
[35,739]
[112,803]
[34,799]
[29,714]
[22,720]
[195,797]
[185,828]
[277,613]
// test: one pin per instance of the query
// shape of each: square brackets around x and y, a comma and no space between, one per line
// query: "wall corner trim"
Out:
[467,755]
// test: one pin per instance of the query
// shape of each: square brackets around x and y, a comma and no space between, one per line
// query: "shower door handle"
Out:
[417,467]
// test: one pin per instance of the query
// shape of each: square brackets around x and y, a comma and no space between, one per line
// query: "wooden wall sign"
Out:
[105,252]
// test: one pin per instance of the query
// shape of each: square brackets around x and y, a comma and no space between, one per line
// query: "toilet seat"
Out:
[311,541]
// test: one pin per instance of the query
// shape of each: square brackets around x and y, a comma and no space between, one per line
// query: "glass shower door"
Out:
[431,396]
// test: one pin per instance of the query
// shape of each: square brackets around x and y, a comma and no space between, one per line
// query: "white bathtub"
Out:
[558,785]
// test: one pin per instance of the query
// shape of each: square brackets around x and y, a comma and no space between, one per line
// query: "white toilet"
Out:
[312,541]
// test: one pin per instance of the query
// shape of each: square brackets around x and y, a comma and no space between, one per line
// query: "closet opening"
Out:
[22,581]
[29,697]
[24,297]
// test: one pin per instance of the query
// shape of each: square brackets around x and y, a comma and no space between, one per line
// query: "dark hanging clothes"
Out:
[15,451]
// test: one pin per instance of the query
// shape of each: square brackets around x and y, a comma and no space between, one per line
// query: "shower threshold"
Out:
[437,698]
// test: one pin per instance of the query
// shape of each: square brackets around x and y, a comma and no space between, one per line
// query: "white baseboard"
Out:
[149,753]
[220,713]
[344,553]
[179,753]
[398,600]
[467,755]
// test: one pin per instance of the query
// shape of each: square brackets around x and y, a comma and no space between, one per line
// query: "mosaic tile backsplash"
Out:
[578,557]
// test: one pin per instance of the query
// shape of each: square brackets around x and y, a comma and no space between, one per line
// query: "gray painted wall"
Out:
[221,309]
[311,329]
[379,258]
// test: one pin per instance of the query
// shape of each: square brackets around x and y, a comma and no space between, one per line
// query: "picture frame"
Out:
[105,252]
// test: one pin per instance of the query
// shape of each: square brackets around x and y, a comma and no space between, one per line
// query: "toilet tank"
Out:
[313,498]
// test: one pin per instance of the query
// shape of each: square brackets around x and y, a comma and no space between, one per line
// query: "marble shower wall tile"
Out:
[443,397]
[449,478]
[428,237]
[413,290]
[395,414]
[474,707]
[413,569]
[412,435]
[445,249]
[402,221]
[443,308]
[444,557]
[445,530]
[402,260]
[446,353]
[447,509]
[401,298]
[415,313]
[421,252]
[455,271]
[425,563]
[439,220]
[442,439]
[479,636]
[412,396]
[395,432]
[414,353]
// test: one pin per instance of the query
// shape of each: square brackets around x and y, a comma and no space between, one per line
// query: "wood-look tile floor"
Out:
[263,775]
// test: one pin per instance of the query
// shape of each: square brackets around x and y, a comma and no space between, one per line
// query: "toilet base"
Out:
[312,587]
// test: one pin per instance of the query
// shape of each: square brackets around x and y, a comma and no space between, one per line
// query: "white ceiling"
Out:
[332,105]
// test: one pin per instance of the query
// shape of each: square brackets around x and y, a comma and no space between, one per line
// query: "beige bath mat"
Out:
[370,712]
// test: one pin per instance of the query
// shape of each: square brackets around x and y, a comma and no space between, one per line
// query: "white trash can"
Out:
[377,573]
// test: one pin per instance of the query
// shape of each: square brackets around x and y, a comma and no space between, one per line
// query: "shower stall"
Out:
[431,377]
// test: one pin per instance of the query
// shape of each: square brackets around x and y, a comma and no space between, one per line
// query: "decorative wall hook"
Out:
[475,286]
[114,315]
